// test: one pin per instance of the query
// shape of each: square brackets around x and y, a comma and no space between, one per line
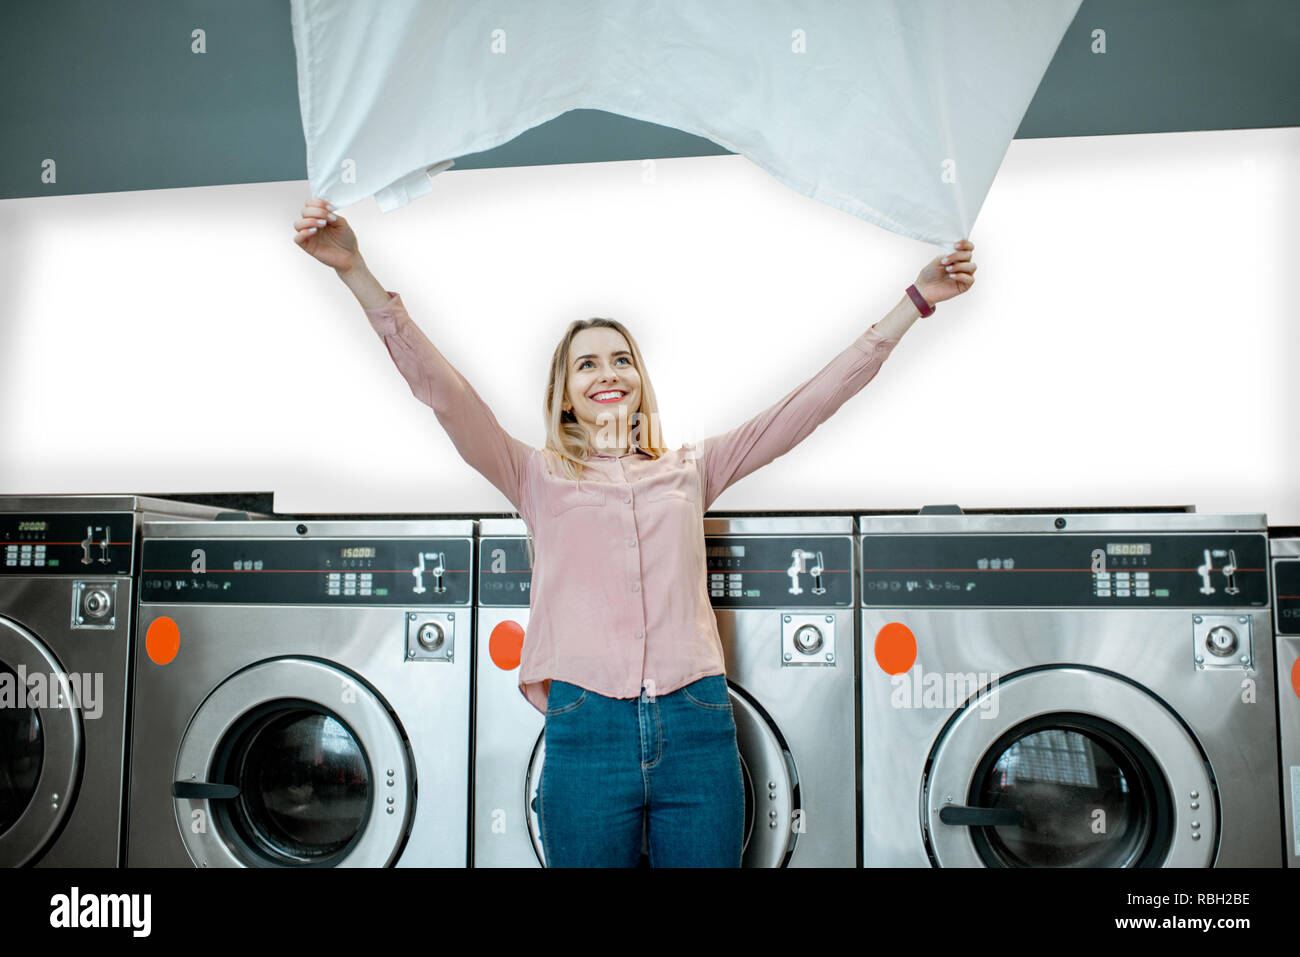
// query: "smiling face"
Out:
[600,361]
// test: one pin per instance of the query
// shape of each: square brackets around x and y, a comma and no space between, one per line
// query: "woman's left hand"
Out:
[948,276]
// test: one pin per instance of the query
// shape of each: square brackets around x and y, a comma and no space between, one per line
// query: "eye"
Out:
[625,359]
[582,365]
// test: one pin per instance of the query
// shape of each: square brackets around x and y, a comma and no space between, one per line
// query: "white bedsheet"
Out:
[897,111]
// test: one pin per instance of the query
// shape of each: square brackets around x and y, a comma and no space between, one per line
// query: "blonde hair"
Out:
[567,445]
[566,440]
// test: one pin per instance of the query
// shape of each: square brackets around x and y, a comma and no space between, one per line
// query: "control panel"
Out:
[401,571]
[1093,570]
[505,574]
[1286,579]
[781,571]
[96,543]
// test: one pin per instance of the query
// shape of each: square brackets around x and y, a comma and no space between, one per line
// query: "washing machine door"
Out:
[293,763]
[40,746]
[764,758]
[1068,767]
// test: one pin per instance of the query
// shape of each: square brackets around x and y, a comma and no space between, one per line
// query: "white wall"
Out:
[1125,343]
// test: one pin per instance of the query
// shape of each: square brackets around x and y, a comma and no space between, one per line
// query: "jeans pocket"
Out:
[564,698]
[709,694]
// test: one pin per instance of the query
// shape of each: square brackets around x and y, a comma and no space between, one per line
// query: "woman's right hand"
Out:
[333,243]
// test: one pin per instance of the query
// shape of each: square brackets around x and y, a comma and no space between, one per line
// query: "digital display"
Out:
[358,551]
[1128,548]
[724,551]
[33,526]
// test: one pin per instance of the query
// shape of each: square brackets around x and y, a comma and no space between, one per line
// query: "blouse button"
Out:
[638,634]
[636,587]
[631,543]
[628,500]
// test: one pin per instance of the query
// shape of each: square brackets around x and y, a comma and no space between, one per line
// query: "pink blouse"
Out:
[619,594]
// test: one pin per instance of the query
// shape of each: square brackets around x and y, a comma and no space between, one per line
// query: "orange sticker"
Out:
[162,641]
[505,645]
[1295,677]
[895,648]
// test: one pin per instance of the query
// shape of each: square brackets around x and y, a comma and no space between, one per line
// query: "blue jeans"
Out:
[672,758]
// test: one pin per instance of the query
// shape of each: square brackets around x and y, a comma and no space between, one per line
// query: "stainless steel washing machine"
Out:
[1067,690]
[507,729]
[66,615]
[302,695]
[782,589]
[1285,554]
[782,592]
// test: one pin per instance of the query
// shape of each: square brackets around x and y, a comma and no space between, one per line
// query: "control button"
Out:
[25,562]
[368,576]
[366,590]
[735,577]
[1121,576]
[350,577]
[334,576]
[1142,576]
[349,589]
[1142,592]
[1121,592]
[26,549]
[1103,592]
[333,590]
[40,562]
[40,549]
[717,577]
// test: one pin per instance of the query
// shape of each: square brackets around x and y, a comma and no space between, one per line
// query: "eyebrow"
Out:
[612,355]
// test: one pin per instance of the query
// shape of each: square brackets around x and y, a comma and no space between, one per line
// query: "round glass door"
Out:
[1068,767]
[1083,793]
[40,746]
[21,751]
[294,763]
[305,786]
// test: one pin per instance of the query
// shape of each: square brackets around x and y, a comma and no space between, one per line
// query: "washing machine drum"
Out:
[40,749]
[293,763]
[771,785]
[1068,767]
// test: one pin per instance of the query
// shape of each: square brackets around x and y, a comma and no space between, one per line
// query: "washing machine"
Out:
[782,593]
[507,729]
[302,695]
[1285,555]
[67,566]
[1067,690]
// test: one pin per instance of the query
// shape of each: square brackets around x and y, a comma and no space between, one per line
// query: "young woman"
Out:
[622,654]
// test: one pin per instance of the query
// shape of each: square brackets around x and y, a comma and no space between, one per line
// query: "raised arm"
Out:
[729,457]
[473,429]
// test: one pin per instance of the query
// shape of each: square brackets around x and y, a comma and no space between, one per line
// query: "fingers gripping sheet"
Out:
[897,111]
